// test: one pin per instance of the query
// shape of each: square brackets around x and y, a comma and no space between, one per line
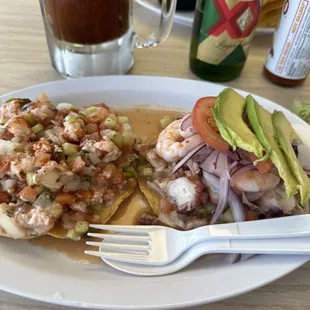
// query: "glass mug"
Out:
[96,37]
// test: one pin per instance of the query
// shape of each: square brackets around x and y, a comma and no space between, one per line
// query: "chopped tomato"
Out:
[262,166]
[28,194]
[65,198]
[4,197]
[204,123]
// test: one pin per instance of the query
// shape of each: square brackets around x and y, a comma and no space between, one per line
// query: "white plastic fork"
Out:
[209,247]
[157,245]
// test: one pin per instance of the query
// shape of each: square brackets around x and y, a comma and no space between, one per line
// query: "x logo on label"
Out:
[229,18]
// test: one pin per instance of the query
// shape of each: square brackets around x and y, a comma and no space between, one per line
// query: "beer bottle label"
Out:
[226,30]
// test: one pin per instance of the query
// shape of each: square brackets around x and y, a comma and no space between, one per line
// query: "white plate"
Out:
[186,18]
[59,280]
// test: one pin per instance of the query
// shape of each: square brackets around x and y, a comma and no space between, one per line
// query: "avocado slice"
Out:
[285,135]
[261,123]
[227,113]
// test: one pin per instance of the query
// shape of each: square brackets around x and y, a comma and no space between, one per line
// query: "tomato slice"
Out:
[204,124]
[262,166]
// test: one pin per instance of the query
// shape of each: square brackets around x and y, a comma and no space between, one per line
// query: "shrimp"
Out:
[98,115]
[74,131]
[173,143]
[106,145]
[157,162]
[254,181]
[18,127]
[11,110]
[42,146]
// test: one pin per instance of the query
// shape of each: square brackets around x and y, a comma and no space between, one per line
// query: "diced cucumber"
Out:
[109,122]
[69,149]
[129,138]
[122,120]
[29,118]
[165,121]
[118,140]
[37,128]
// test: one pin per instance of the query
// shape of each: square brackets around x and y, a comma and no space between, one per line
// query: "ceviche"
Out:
[229,160]
[63,168]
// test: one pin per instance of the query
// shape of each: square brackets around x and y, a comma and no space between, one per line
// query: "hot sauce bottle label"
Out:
[227,29]
[289,56]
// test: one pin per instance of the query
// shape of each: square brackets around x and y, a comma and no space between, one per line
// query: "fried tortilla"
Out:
[152,196]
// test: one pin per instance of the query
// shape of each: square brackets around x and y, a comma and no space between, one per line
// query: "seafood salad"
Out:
[61,167]
[230,160]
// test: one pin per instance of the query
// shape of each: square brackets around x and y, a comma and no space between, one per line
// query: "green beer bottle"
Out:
[222,33]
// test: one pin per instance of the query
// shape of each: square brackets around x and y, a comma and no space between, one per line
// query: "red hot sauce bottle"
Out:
[288,60]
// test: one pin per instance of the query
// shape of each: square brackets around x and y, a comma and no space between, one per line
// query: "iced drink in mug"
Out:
[96,37]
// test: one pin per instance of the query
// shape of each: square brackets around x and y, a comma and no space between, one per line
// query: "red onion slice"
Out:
[242,169]
[187,157]
[233,200]
[236,207]
[202,154]
[187,122]
[223,197]
[234,155]
[210,162]
[217,163]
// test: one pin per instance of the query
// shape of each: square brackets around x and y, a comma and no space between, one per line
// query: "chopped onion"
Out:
[187,122]
[95,160]
[8,147]
[156,188]
[11,227]
[43,201]
[187,157]
[49,180]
